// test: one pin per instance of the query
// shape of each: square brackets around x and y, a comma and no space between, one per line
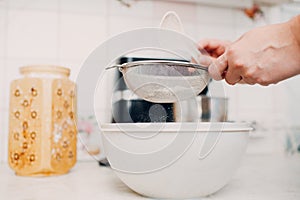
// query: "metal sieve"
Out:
[163,81]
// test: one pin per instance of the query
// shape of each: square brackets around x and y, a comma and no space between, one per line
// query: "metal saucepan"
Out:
[129,108]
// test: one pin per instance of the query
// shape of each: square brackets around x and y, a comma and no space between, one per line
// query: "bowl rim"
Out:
[175,127]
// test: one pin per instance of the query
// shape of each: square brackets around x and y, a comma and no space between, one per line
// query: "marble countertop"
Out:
[275,177]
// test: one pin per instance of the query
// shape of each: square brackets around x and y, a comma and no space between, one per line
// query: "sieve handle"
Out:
[114,66]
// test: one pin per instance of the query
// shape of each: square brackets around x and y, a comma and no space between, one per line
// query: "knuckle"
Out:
[263,80]
[230,51]
[248,81]
[230,82]
[249,74]
[238,64]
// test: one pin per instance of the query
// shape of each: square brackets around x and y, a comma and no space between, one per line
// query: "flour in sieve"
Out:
[163,89]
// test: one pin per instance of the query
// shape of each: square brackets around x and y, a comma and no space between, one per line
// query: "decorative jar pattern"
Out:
[42,128]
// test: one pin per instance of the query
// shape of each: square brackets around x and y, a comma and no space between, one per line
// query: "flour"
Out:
[166,89]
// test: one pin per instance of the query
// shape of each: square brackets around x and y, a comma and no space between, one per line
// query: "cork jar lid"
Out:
[51,69]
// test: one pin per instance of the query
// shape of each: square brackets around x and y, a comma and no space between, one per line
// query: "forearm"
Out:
[295,27]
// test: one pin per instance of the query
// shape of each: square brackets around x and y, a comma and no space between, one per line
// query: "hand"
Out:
[214,48]
[263,55]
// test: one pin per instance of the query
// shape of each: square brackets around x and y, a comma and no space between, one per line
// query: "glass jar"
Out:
[42,127]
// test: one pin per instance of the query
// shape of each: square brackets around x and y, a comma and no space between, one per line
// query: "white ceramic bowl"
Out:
[175,160]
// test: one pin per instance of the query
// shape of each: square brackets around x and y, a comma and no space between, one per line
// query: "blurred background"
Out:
[64,32]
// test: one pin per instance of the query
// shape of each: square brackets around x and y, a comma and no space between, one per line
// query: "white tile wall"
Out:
[44,5]
[64,32]
[90,7]
[119,24]
[210,15]
[32,34]
[240,19]
[186,11]
[4,137]
[79,35]
[3,134]
[74,64]
[2,82]
[220,31]
[137,9]
[3,15]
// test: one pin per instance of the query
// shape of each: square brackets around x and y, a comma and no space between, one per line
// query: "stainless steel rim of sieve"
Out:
[158,62]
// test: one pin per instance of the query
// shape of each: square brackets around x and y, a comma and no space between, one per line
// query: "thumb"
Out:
[217,68]
[205,60]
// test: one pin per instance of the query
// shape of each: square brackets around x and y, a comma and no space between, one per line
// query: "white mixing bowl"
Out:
[175,160]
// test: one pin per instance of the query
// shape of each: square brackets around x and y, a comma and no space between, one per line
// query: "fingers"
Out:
[207,47]
[203,44]
[204,47]
[213,47]
[210,43]
[233,78]
[224,63]
[218,67]
[233,74]
[205,60]
[222,68]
